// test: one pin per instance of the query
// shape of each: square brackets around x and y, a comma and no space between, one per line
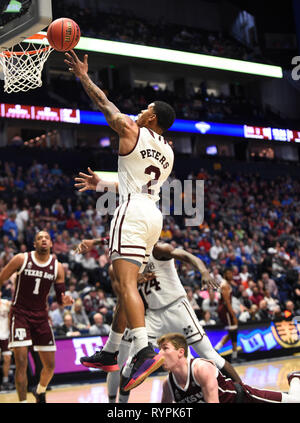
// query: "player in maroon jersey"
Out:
[227,315]
[29,322]
[196,380]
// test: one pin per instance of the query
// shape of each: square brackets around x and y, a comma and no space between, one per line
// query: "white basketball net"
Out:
[22,67]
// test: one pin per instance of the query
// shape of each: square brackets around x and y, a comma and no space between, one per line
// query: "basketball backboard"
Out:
[22,19]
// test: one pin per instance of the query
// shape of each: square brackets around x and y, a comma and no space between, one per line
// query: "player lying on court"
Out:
[194,380]
[167,309]
[29,322]
[145,162]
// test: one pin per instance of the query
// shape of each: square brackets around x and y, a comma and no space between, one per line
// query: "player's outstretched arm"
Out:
[93,182]
[167,251]
[12,266]
[166,393]
[205,375]
[118,121]
[87,245]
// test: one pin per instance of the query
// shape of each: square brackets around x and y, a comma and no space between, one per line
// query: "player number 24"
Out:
[153,283]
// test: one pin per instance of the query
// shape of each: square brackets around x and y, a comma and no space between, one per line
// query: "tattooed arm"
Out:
[119,122]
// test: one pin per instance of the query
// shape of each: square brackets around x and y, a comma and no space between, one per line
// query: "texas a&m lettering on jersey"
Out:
[34,281]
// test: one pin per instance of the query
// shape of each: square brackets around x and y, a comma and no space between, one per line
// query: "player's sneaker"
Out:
[40,398]
[145,362]
[7,386]
[123,382]
[102,360]
[293,374]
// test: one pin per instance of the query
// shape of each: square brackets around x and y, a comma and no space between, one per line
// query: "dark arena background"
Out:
[231,71]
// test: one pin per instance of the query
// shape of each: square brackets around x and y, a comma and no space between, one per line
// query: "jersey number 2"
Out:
[148,171]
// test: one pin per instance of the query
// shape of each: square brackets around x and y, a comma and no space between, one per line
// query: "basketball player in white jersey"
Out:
[145,162]
[4,335]
[167,309]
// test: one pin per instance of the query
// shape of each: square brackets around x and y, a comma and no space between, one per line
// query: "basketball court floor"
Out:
[269,374]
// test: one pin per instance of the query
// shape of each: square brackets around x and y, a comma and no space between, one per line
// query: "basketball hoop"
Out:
[22,67]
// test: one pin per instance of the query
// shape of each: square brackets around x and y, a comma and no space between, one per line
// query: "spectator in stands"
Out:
[289,310]
[106,305]
[207,319]
[67,328]
[211,304]
[270,285]
[277,314]
[91,302]
[251,315]
[234,260]
[10,228]
[80,318]
[166,233]
[244,275]
[104,258]
[244,298]
[263,311]
[99,327]
[72,291]
[257,296]
[296,294]
[215,250]
[72,223]
[271,301]
[192,300]
[56,314]
[60,248]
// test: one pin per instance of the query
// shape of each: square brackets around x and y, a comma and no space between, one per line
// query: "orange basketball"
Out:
[63,34]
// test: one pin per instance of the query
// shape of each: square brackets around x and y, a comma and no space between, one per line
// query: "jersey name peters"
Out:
[150,152]
[39,274]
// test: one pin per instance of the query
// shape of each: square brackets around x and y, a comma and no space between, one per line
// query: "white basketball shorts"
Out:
[135,228]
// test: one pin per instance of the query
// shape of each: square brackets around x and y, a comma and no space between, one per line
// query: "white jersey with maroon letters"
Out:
[165,287]
[146,167]
[137,222]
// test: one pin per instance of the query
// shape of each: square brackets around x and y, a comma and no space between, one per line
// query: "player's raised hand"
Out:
[75,65]
[144,277]
[209,281]
[84,247]
[67,300]
[87,182]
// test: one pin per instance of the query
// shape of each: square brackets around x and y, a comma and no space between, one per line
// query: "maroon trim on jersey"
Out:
[137,139]
[151,133]
[121,224]
[113,234]
[118,250]
[128,254]
[132,246]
